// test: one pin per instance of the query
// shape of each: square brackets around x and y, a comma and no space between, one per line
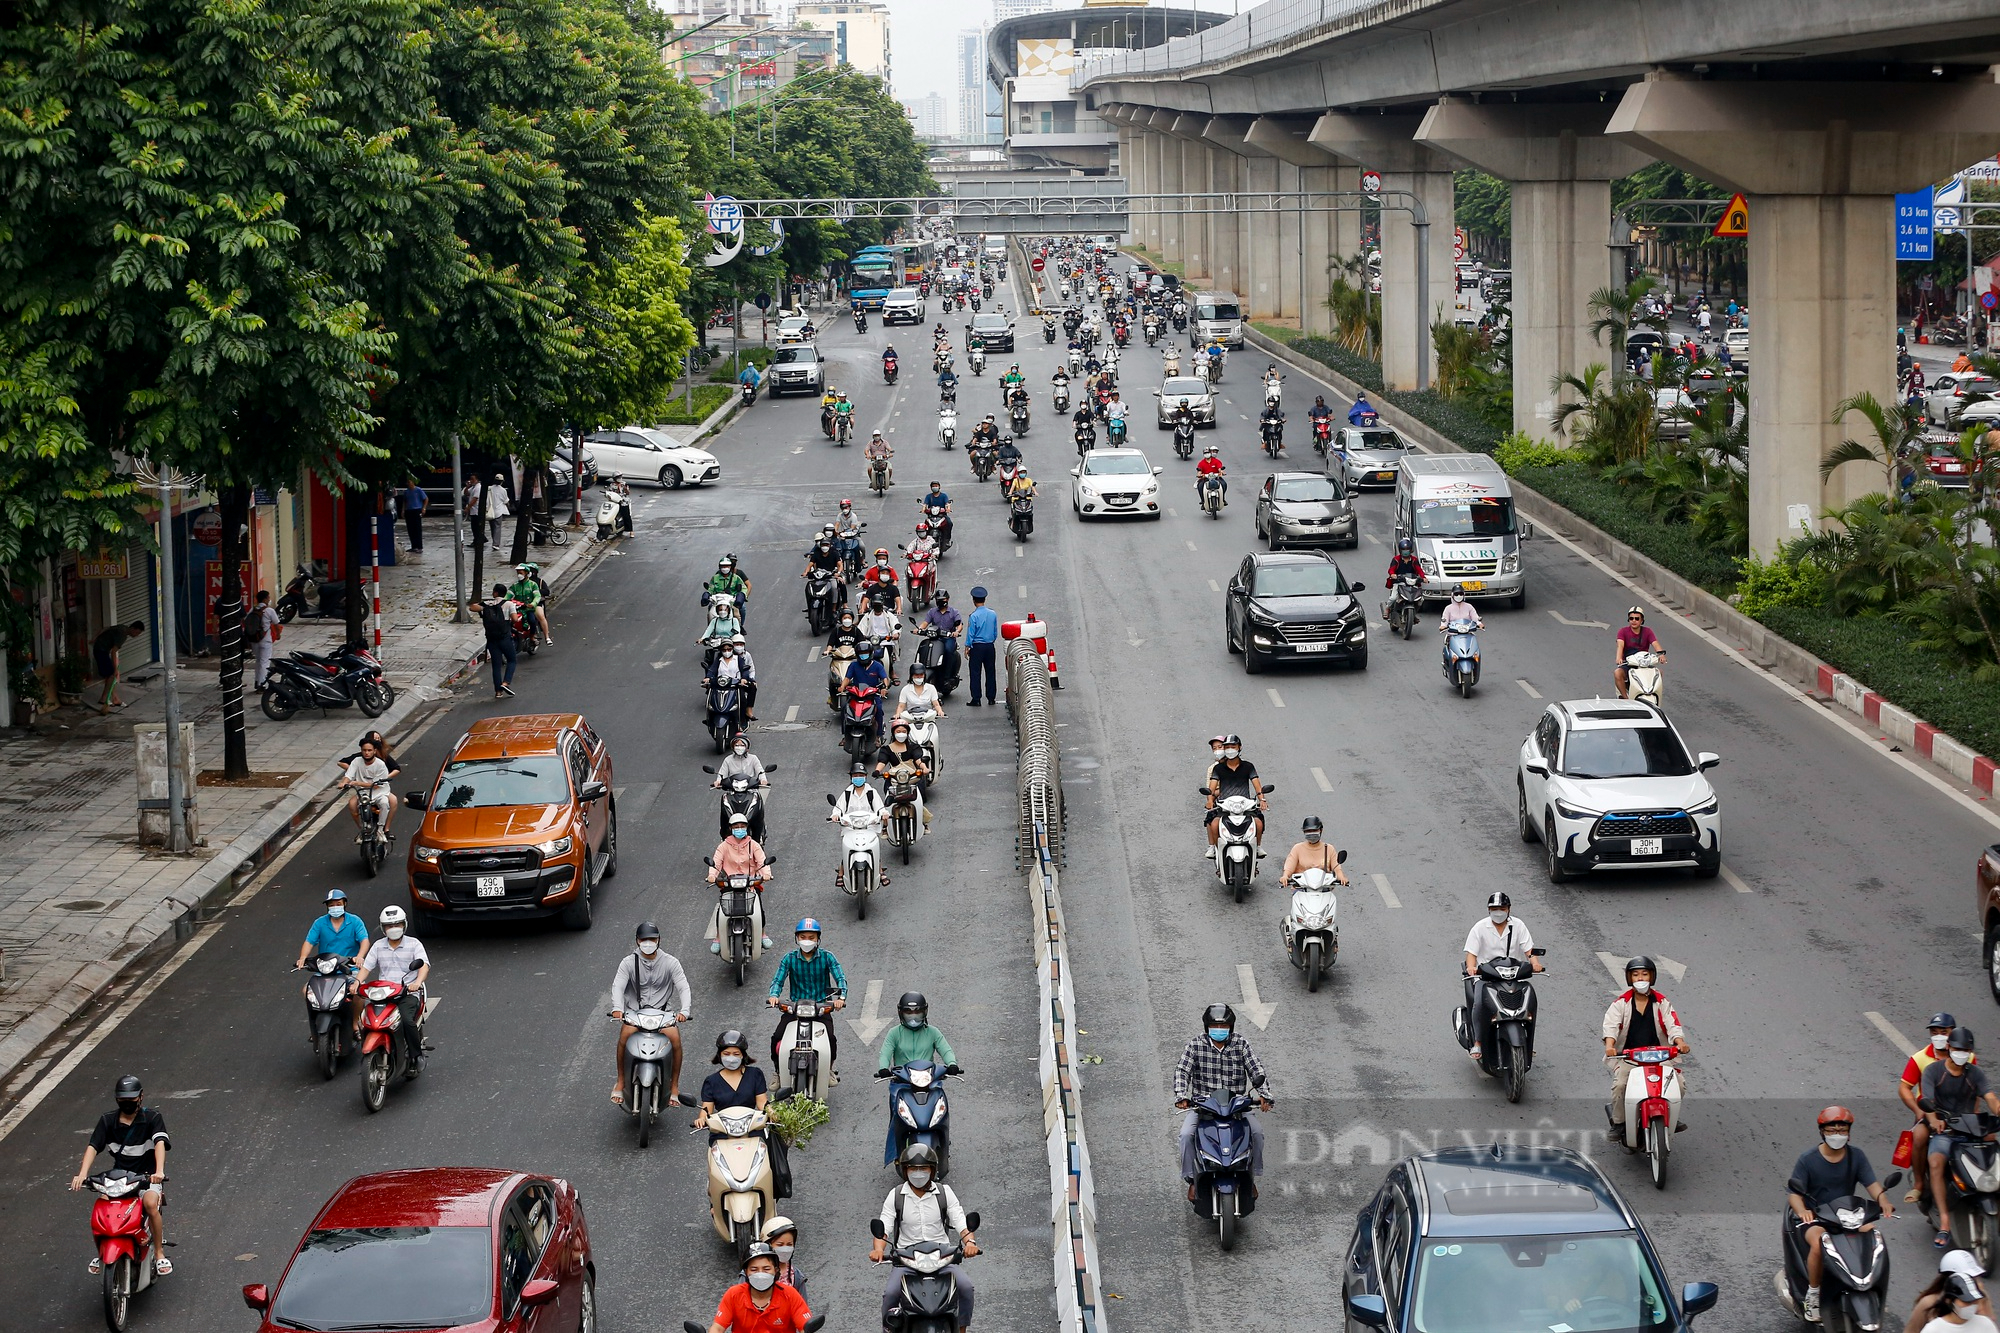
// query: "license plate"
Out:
[1309,647]
[491,886]
[1385,476]
[1473,586]
[1646,847]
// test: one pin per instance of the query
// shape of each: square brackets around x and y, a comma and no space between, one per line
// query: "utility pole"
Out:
[458,613]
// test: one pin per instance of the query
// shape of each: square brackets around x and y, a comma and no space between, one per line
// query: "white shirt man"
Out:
[394,960]
[853,798]
[1506,939]
[934,1216]
[263,617]
[373,771]
[1116,409]
[918,696]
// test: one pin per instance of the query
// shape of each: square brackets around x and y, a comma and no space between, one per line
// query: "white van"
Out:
[1458,510]
[1215,315]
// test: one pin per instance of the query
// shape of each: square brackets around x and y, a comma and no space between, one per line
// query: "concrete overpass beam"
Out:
[1820,164]
[1386,143]
[1197,226]
[1247,168]
[1310,231]
[1561,167]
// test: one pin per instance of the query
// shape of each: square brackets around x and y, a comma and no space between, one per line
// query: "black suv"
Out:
[1282,606]
[995,327]
[1508,1238]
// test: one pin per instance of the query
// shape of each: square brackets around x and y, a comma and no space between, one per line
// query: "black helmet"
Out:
[917,1154]
[732,1037]
[857,769]
[913,1002]
[942,597]
[646,931]
[1404,546]
[1961,1040]
[1313,824]
[1232,739]
[127,1089]
[1219,1015]
[1496,901]
[1640,964]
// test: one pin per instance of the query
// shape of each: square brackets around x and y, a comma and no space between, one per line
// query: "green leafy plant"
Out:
[70,673]
[1608,414]
[1896,427]
[1788,579]
[25,684]
[796,1118]
[1521,450]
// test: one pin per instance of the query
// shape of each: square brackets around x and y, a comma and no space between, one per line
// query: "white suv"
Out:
[1607,784]
[903,305]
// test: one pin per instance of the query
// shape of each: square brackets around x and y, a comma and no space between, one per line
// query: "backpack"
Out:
[259,625]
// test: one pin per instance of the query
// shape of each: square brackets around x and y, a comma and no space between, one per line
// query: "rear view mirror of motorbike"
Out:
[706,769]
[971,1221]
[1539,952]
[689,1326]
[831,799]
[875,1229]
[818,1321]
[1342,858]
[709,862]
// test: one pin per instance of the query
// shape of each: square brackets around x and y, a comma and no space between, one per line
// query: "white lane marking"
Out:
[1173,512]
[1191,546]
[1373,540]
[868,1022]
[1579,624]
[1254,1007]
[1276,700]
[792,713]
[1736,881]
[665,663]
[801,449]
[1023,590]
[1533,693]
[812,654]
[1389,898]
[1213,586]
[1020,552]
[1882,1025]
[1615,965]
[1319,776]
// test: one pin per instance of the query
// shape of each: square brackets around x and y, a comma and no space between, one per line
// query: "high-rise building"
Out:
[860,31]
[972,82]
[927,115]
[1012,9]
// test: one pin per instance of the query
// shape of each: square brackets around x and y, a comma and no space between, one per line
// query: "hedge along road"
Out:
[1858,876]
[522,1069]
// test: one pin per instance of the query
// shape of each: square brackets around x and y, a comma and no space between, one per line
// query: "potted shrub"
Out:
[70,675]
[24,683]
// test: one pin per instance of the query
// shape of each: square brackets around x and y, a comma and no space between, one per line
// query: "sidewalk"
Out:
[80,900]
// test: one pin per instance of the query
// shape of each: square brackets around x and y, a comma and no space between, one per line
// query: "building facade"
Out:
[749,53]
[859,28]
[927,115]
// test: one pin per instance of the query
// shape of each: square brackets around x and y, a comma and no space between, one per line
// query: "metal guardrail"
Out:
[1072,1191]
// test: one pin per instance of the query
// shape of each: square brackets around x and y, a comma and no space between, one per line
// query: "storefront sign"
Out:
[211,582]
[104,565]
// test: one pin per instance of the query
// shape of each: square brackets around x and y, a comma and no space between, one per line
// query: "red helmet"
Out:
[923,526]
[1835,1115]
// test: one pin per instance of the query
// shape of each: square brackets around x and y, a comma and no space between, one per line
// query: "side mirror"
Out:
[1201,791]
[706,769]
[1893,1179]
[593,791]
[770,861]
[709,861]
[1159,471]
[971,1221]
[818,1321]
[1527,531]
[689,1326]
[1270,787]
[417,800]
[1539,952]
[1342,858]
[876,1229]
[1705,760]
[1539,770]
[540,1292]
[1697,1298]
[831,799]
[1078,471]
[1370,1310]
[258,1296]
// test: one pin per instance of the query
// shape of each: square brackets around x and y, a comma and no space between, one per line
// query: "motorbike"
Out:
[742,943]
[1322,435]
[749,392]
[1184,436]
[975,303]
[1060,399]
[822,599]
[809,1059]
[1152,327]
[1504,1027]
[917,1108]
[386,1050]
[861,321]
[1075,361]
[607,517]
[1114,432]
[725,710]
[742,1189]
[1009,468]
[1643,677]
[939,663]
[1236,851]
[649,1056]
[948,395]
[1972,1184]
[888,370]
[1211,370]
[941,527]
[928,1301]
[1652,1105]
[527,632]
[982,455]
[1225,1182]
[1209,487]
[326,1010]
[1461,657]
[924,736]
[905,823]
[826,415]
[837,662]
[948,427]
[350,677]
[1022,519]
[849,546]
[878,476]
[313,596]
[1086,437]
[1120,333]
[740,796]
[1048,330]
[1854,1263]
[843,428]
[1312,935]
[919,574]
[123,1239]
[1273,433]
[860,854]
[1367,420]
[1404,606]
[1273,393]
[373,835]
[976,359]
[859,735]
[1017,417]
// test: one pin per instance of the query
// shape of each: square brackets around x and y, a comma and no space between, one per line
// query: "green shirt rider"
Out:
[527,590]
[727,579]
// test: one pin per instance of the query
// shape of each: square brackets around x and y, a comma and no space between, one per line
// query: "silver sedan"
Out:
[1364,456]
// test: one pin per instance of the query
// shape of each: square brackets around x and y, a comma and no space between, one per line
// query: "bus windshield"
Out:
[1486,516]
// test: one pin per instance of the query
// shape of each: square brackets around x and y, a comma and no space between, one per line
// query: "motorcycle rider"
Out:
[1234,776]
[722,619]
[1403,562]
[1832,1170]
[1358,414]
[1008,452]
[366,773]
[880,624]
[1319,412]
[815,977]
[1641,1016]
[760,1303]
[1211,465]
[337,933]
[1115,410]
[1022,487]
[738,854]
[1459,609]
[1314,853]
[1909,1084]
[1636,637]
[1011,381]
[1951,1086]
[1271,419]
[918,693]
[740,763]
[747,666]
[730,580]
[913,1038]
[922,1210]
[896,752]
[986,431]
[857,795]
[527,590]
[924,545]
[945,619]
[843,410]
[134,1136]
[867,669]
[782,1235]
[888,357]
[846,529]
[824,556]
[878,450]
[947,382]
[1219,1060]
[399,957]
[1498,934]
[728,666]
[1059,382]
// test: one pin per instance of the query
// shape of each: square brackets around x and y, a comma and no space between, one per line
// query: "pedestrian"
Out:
[262,627]
[415,502]
[104,652]
[497,617]
[496,508]
[982,638]
[469,504]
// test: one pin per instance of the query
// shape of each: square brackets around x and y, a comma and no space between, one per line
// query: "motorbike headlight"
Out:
[428,855]
[556,847]
[903,1110]
[1569,811]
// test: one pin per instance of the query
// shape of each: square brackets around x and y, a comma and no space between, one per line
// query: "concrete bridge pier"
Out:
[1170,216]
[1314,171]
[1561,167]
[1225,176]
[1386,143]
[1197,251]
[1820,164]
[1256,230]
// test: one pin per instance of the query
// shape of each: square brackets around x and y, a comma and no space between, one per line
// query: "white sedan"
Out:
[647,453]
[1115,481]
[794,329]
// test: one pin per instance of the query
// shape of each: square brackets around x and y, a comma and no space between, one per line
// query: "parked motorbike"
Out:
[1022,519]
[1644,679]
[905,823]
[928,1300]
[1404,606]
[123,1239]
[1854,1264]
[860,855]
[649,1057]
[742,1190]
[1312,934]
[1225,1182]
[313,596]
[326,1010]
[1236,851]
[351,677]
[1504,1027]
[948,427]
[740,796]
[1461,657]
[386,1050]
[809,1058]
[918,1110]
[1652,1105]
[741,939]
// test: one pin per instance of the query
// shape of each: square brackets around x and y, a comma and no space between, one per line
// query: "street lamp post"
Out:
[166,481]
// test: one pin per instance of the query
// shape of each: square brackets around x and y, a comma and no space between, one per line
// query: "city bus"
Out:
[876,269]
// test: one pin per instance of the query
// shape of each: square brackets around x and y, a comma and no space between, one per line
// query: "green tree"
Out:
[1896,428]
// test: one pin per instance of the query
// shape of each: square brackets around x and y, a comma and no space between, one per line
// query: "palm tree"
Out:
[1616,311]
[1608,414]
[1896,427]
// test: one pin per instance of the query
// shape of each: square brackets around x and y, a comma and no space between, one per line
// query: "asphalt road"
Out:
[1848,896]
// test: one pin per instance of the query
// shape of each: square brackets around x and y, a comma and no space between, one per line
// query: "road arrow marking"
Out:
[667,663]
[1888,1029]
[1533,693]
[1616,966]
[869,1024]
[1579,624]
[1389,897]
[1253,1008]
[1319,776]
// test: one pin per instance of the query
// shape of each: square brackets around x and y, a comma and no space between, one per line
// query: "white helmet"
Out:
[392,915]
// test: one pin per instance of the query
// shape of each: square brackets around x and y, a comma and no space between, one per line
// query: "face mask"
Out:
[732,1062]
[1229,753]
[739,833]
[1312,839]
[740,750]
[919,1179]
[1641,987]
[913,1021]
[807,946]
[649,947]
[784,1252]
[860,782]
[761,1281]
[394,933]
[1961,1058]
[1966,1309]
[1218,1035]
[1836,1141]
[336,911]
[1939,1040]
[1497,918]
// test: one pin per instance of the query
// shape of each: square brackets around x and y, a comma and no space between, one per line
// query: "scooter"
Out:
[905,823]
[878,476]
[607,517]
[1225,1182]
[941,526]
[1236,851]
[1022,520]
[1184,436]
[1273,432]
[822,597]
[1009,469]
[1018,417]
[1060,400]
[742,942]
[1273,392]
[919,574]
[928,1300]
[1505,1025]
[861,321]
[918,1111]
[888,370]
[749,393]
[809,1060]
[1461,657]
[326,1010]
[725,710]
[311,595]
[1048,330]
[373,835]
[860,854]
[123,1239]
[649,1056]
[1086,437]
[1854,1264]
[1367,419]
[982,454]
[1312,934]
[1404,606]
[1643,678]
[1209,487]
[859,735]
[1652,1105]
[742,1191]
[1114,432]
[940,665]
[1075,361]
[837,662]
[386,1050]
[948,427]
[976,359]
[304,680]
[924,731]
[1972,1182]
[1322,435]
[740,796]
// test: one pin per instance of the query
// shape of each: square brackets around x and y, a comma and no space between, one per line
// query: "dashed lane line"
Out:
[1882,1025]
[1532,692]
[1319,776]
[1389,898]
[1277,701]
[1192,547]
[792,713]
[1213,586]
[1735,881]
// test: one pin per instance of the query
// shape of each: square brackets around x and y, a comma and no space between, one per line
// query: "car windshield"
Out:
[388,1277]
[1220,310]
[658,439]
[1531,1284]
[1625,752]
[989,323]
[792,324]
[1117,465]
[471,783]
[1304,488]
[789,355]
[1317,579]
[903,294]
[1376,439]
[1188,387]
[1491,516]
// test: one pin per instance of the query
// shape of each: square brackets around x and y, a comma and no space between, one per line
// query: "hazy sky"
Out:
[923,42]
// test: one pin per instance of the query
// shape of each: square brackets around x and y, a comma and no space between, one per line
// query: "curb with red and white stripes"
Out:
[1906,728]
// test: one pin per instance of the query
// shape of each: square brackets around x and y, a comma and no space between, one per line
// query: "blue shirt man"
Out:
[749,376]
[982,634]
[338,931]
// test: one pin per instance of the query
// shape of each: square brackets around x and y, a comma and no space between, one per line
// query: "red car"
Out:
[445,1248]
